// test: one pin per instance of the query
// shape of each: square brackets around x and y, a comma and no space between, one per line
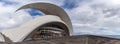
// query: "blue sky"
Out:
[97,17]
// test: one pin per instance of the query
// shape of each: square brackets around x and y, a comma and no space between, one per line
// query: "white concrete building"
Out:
[55,23]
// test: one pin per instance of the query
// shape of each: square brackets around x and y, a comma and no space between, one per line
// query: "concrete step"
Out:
[80,39]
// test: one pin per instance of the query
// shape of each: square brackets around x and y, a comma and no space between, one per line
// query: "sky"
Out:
[96,17]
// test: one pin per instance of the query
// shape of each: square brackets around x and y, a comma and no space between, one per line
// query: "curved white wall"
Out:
[52,12]
[20,33]
[51,9]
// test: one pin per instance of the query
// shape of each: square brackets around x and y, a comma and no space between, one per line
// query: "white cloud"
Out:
[88,17]
[10,19]
[24,2]
[96,17]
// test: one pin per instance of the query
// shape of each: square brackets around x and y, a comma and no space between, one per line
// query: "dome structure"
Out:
[55,23]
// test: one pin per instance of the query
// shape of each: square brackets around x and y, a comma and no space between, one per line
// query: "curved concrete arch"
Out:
[50,9]
[62,25]
[20,33]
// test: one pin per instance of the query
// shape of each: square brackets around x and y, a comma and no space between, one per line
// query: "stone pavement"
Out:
[81,39]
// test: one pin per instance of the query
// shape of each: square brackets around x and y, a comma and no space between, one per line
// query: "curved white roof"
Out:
[51,9]
[20,33]
[52,12]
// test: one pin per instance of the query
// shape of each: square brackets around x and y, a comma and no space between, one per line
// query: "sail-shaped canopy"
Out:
[50,9]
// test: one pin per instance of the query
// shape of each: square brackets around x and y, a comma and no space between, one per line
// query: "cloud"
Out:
[10,19]
[22,2]
[98,17]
